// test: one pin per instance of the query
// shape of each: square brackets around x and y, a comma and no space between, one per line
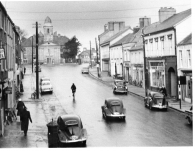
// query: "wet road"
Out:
[142,127]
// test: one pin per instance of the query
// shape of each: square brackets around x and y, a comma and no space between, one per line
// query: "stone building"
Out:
[50,45]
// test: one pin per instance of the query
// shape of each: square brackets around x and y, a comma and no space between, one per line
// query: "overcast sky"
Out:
[86,19]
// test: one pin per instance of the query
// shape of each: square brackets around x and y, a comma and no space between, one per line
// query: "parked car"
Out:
[156,100]
[113,108]
[120,87]
[44,79]
[39,69]
[85,70]
[71,130]
[46,86]
[189,115]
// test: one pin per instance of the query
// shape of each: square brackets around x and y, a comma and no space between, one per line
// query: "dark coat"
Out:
[25,117]
[21,88]
[73,87]
[20,107]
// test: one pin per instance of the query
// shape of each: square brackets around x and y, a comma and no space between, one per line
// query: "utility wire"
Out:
[16,11]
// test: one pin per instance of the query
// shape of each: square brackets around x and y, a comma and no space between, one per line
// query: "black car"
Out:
[113,108]
[120,87]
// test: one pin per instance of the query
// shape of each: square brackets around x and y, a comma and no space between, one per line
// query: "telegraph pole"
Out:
[32,54]
[90,54]
[145,72]
[37,60]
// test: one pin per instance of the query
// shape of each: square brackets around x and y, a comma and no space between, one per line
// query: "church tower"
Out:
[48,30]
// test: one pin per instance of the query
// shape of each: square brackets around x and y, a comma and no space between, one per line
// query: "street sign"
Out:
[2,54]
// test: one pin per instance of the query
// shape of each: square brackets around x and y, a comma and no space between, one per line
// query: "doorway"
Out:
[172,84]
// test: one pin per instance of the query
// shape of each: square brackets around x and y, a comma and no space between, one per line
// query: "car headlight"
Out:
[126,87]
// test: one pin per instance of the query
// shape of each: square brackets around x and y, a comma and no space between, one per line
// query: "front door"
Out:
[172,82]
[48,60]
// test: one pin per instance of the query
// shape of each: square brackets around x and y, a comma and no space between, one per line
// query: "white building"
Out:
[184,66]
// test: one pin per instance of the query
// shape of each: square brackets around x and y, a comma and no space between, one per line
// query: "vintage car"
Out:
[189,115]
[45,86]
[70,130]
[120,87]
[85,70]
[44,79]
[113,108]
[155,100]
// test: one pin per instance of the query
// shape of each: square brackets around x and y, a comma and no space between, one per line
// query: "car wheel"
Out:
[84,143]
[126,93]
[189,121]
[150,106]
[114,92]
[124,118]
[145,104]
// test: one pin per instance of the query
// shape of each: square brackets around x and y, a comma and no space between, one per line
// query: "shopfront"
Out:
[157,73]
[127,73]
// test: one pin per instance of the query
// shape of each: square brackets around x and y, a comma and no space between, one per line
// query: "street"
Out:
[143,127]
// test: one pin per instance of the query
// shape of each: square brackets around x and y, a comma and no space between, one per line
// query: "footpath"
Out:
[138,91]
[41,110]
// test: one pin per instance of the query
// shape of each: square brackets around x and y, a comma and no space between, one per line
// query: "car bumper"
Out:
[47,90]
[114,115]
[160,106]
[73,141]
[121,91]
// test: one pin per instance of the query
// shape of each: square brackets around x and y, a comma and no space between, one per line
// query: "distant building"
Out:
[50,45]
[85,56]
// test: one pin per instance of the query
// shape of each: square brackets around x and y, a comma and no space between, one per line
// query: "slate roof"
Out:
[168,23]
[116,35]
[187,40]
[126,38]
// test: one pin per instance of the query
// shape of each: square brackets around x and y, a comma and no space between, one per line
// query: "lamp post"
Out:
[144,54]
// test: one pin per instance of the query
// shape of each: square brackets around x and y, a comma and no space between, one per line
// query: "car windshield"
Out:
[119,82]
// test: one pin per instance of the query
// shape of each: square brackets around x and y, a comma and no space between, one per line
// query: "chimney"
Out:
[111,26]
[105,27]
[165,13]
[135,29]
[143,22]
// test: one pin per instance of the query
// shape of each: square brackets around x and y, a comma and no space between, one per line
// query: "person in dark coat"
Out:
[21,87]
[20,107]
[25,117]
[73,87]
[24,70]
[163,91]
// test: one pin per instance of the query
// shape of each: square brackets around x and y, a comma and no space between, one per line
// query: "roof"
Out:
[187,40]
[116,35]
[59,40]
[87,52]
[168,23]
[70,117]
[121,41]
[156,94]
[109,100]
[47,20]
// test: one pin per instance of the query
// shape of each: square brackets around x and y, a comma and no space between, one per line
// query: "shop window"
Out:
[157,72]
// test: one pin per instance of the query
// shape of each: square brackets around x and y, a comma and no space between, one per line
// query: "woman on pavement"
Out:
[25,117]
[20,107]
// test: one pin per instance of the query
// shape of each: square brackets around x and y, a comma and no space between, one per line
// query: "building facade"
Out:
[10,64]
[50,48]
[160,41]
[184,66]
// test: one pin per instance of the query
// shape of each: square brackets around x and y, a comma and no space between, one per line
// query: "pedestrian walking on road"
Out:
[25,117]
[21,87]
[20,107]
[24,70]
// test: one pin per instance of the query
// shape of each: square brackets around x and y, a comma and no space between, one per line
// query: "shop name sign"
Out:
[2,54]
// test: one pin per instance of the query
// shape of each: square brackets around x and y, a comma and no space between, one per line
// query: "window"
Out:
[189,58]
[157,72]
[48,31]
[181,59]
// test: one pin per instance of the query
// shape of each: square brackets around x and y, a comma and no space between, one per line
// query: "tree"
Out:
[22,33]
[71,48]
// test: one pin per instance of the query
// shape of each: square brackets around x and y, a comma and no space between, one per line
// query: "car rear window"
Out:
[71,123]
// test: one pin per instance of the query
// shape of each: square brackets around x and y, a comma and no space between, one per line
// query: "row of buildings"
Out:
[151,55]
[11,56]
